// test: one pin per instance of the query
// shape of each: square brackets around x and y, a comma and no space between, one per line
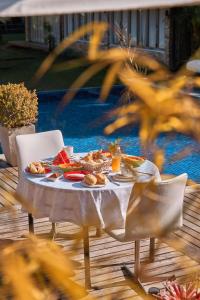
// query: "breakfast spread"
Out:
[90,169]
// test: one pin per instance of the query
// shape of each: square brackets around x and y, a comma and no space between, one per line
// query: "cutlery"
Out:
[114,182]
[145,173]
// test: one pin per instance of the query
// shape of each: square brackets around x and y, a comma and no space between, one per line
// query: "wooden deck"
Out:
[107,255]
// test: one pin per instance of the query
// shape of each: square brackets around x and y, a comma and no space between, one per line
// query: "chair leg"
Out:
[53,230]
[152,250]
[30,223]
[134,278]
[98,232]
[86,248]
[137,259]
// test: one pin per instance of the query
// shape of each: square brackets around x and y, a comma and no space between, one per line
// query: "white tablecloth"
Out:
[70,201]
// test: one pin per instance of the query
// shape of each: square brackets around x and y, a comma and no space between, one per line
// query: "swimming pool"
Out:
[83,120]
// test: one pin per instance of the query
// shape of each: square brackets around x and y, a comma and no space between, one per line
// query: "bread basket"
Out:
[95,166]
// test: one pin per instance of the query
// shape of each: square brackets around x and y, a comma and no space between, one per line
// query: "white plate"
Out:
[92,186]
[119,177]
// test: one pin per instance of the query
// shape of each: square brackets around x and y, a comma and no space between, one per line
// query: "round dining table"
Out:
[69,201]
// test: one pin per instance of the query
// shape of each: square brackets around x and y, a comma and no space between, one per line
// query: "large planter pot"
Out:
[8,141]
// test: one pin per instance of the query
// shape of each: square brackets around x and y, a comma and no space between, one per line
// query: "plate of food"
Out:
[122,178]
[94,180]
[133,161]
[37,169]
[75,175]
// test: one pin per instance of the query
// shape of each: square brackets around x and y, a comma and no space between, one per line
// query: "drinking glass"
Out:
[116,160]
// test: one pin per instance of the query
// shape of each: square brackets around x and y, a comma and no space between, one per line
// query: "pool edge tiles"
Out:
[83,93]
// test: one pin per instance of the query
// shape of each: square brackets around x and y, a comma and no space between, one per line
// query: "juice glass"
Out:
[116,160]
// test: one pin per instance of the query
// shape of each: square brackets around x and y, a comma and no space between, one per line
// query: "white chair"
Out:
[35,147]
[154,210]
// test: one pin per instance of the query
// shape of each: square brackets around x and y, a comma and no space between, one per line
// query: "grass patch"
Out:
[19,65]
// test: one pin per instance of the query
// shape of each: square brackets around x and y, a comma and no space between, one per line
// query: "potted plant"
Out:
[18,113]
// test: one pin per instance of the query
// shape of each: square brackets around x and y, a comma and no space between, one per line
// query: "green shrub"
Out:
[18,105]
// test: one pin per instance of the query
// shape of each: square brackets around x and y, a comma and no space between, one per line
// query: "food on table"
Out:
[95,179]
[61,158]
[88,157]
[73,166]
[96,161]
[97,155]
[53,177]
[99,161]
[75,175]
[90,179]
[36,168]
[133,161]
[101,178]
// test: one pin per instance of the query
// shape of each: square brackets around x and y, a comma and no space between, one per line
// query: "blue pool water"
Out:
[83,120]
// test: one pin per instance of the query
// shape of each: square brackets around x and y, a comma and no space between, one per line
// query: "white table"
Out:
[71,202]
[63,200]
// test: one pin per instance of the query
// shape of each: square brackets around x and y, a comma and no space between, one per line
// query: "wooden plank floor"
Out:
[107,255]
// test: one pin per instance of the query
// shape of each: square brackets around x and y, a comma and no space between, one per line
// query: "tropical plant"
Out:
[37,269]
[125,42]
[160,106]
[19,106]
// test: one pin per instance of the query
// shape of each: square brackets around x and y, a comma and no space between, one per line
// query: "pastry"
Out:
[99,161]
[32,168]
[88,157]
[90,179]
[101,178]
[36,168]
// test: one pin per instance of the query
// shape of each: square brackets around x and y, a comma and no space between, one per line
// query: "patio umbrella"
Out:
[15,8]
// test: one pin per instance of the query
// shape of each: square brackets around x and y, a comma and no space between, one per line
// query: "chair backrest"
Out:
[155,208]
[37,146]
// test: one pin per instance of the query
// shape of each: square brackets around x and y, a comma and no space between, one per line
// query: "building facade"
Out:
[151,30]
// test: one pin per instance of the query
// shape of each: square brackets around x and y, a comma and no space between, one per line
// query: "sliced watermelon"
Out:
[61,158]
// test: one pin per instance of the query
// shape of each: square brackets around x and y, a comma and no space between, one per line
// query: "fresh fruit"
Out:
[61,158]
[133,161]
[74,166]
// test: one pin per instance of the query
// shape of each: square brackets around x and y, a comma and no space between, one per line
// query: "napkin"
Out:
[61,158]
